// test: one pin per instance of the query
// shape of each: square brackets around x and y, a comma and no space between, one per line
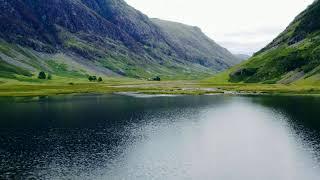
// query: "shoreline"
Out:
[10,88]
[160,89]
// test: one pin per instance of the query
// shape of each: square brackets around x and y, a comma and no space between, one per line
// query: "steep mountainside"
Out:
[294,56]
[242,57]
[192,42]
[108,37]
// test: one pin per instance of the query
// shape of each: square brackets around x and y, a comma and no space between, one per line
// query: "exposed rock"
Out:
[109,33]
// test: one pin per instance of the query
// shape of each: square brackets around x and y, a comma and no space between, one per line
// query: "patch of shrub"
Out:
[92,78]
[157,78]
[42,75]
[291,62]
[49,77]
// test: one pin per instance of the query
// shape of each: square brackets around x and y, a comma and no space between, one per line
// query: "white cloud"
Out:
[242,26]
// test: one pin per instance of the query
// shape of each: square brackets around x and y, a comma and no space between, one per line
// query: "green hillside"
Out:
[99,37]
[293,57]
[195,44]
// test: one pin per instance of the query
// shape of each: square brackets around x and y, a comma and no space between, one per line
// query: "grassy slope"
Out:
[194,43]
[292,58]
[24,61]
[119,59]
[9,71]
[283,63]
[108,35]
[71,78]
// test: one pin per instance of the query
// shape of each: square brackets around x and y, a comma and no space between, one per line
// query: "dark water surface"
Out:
[186,137]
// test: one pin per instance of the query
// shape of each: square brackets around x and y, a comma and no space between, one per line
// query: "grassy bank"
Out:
[61,85]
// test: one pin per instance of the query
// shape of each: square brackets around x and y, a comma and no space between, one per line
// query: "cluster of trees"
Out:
[157,78]
[94,78]
[42,75]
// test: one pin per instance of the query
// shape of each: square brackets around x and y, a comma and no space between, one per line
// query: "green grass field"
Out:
[26,86]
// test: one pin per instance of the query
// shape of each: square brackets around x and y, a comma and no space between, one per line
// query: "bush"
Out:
[42,75]
[157,78]
[100,79]
[49,77]
[92,78]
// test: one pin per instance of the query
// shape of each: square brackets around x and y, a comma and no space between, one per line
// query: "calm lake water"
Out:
[117,137]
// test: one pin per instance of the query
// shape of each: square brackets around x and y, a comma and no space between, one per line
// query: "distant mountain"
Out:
[108,37]
[242,57]
[195,45]
[294,56]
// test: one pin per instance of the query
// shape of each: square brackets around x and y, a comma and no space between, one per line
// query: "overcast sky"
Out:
[242,26]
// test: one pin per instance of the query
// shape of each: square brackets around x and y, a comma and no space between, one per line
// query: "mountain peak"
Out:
[106,36]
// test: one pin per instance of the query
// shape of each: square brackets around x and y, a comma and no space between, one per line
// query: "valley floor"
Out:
[13,88]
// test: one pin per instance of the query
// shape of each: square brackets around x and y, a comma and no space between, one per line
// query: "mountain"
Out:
[242,57]
[105,37]
[194,44]
[292,57]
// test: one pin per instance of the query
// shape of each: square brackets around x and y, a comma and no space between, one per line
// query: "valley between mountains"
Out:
[72,41]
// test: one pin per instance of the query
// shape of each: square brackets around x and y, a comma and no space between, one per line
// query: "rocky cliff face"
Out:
[109,34]
[25,21]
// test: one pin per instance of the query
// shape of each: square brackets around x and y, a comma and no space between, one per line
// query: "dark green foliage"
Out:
[92,78]
[42,75]
[49,77]
[242,73]
[309,21]
[290,62]
[156,78]
[309,67]
[100,79]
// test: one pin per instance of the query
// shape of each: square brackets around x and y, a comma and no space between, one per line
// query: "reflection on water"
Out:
[183,137]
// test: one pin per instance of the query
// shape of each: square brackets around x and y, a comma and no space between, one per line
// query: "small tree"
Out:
[100,79]
[42,75]
[49,77]
[92,78]
[157,78]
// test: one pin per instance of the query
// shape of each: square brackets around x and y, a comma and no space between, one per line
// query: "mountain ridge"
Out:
[97,36]
[293,57]
[196,39]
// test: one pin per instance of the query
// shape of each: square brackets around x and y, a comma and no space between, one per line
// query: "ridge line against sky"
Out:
[242,26]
